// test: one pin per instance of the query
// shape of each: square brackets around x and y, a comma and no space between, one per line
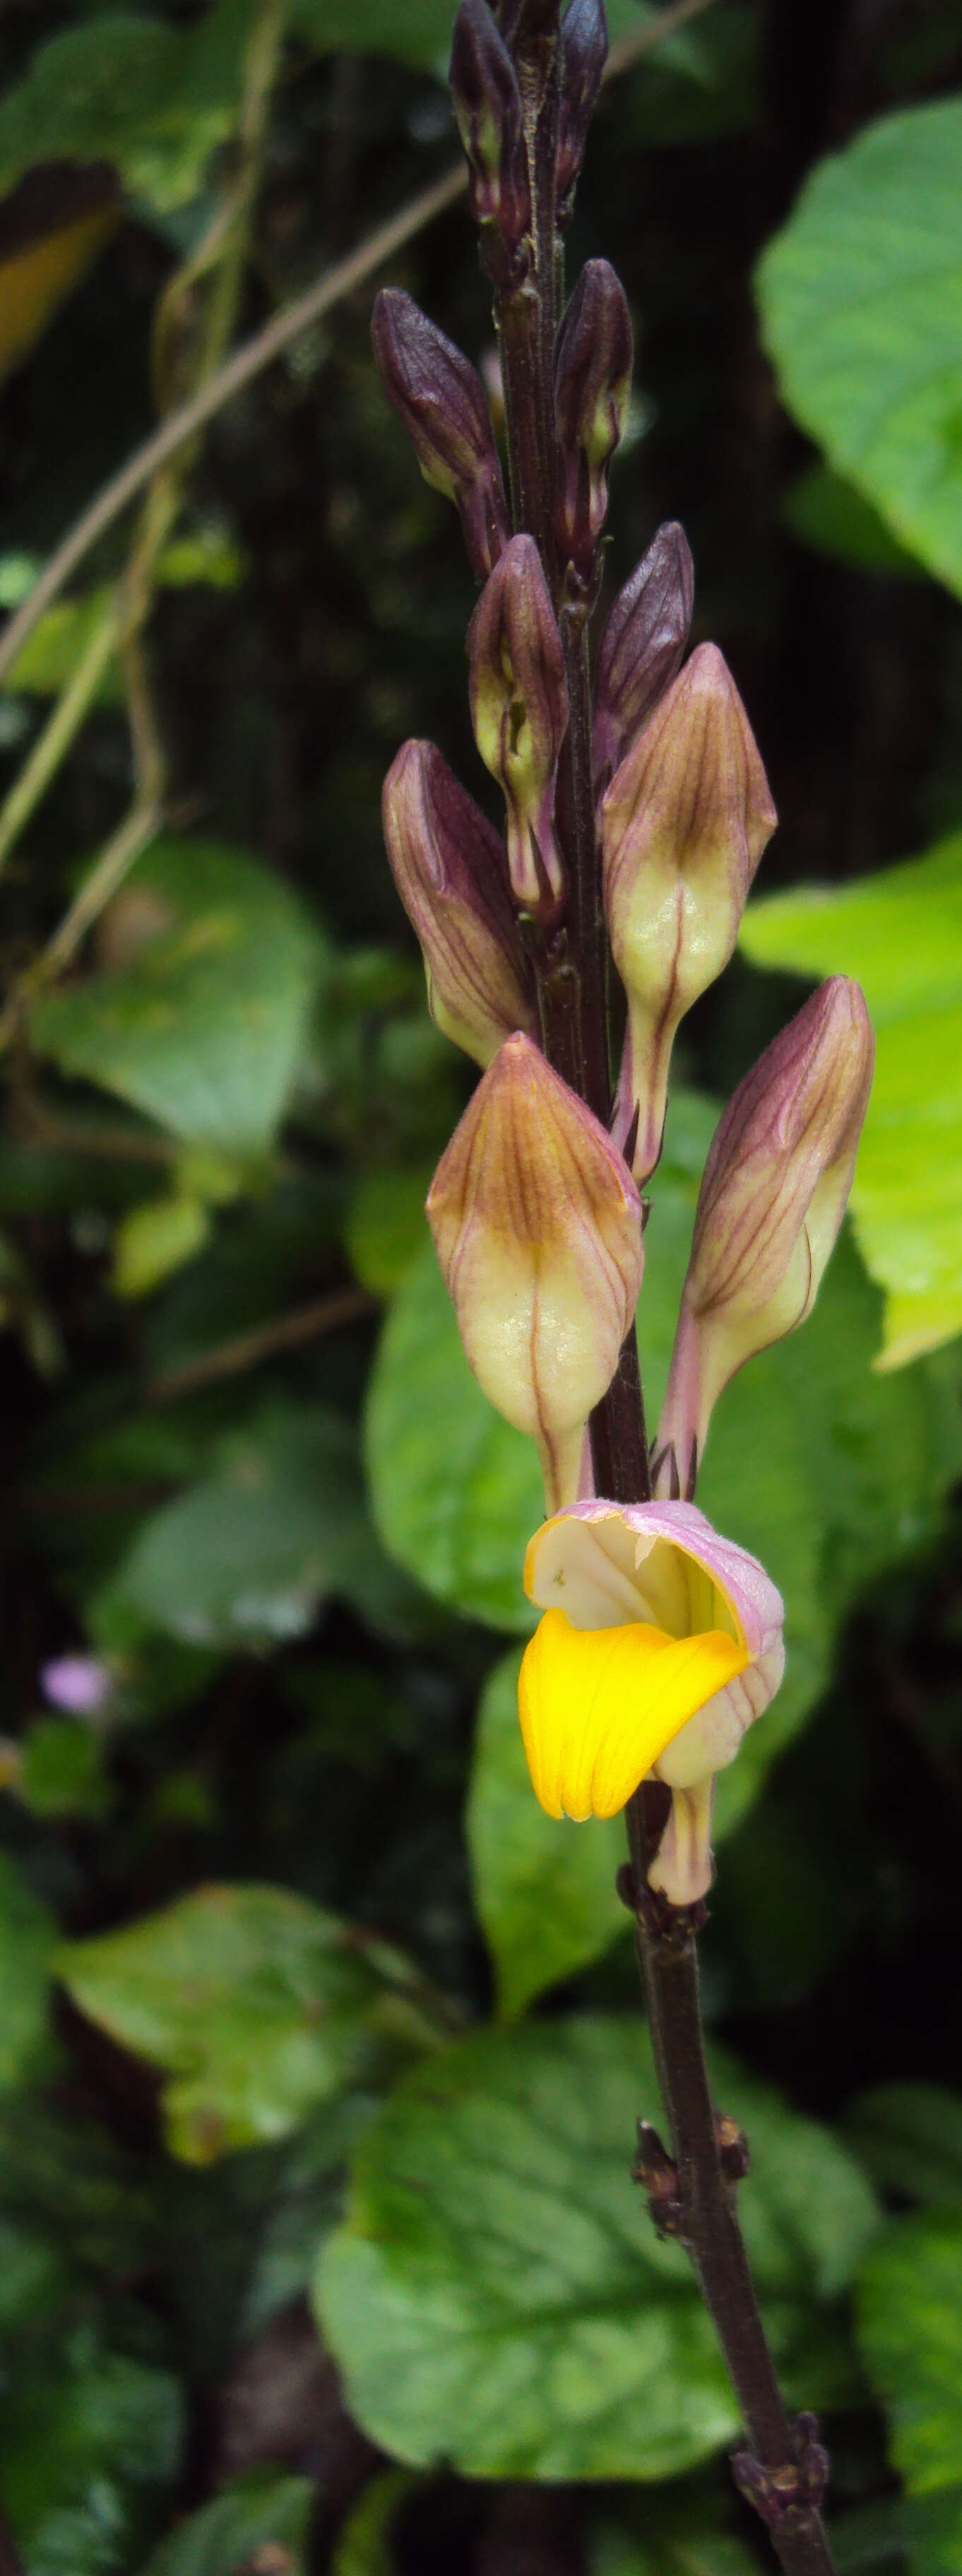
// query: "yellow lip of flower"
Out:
[599,1705]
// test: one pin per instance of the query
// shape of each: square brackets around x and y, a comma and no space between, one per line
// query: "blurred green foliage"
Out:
[319,2043]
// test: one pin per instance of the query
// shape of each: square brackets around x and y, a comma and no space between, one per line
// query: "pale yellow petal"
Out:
[598,1706]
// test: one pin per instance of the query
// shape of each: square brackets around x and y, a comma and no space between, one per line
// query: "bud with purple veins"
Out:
[449,867]
[537,1227]
[684,824]
[489,117]
[584,52]
[519,709]
[772,1199]
[641,646]
[440,399]
[592,383]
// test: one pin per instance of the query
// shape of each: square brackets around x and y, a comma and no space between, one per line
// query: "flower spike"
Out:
[772,1199]
[660,1644]
[684,824]
[450,870]
[537,1227]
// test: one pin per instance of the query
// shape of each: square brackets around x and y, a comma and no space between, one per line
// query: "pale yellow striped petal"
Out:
[598,1706]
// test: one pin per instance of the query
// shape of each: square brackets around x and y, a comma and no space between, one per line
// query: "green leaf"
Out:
[27,1939]
[456,1492]
[498,2297]
[679,2533]
[545,1897]
[698,83]
[363,2546]
[387,1227]
[909,2138]
[154,1240]
[254,2002]
[50,655]
[203,1029]
[861,302]
[900,934]
[131,90]
[826,512]
[261,2511]
[413,31]
[89,2435]
[61,1772]
[244,1557]
[910,2331]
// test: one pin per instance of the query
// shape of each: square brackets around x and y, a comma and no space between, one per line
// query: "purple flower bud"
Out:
[519,709]
[584,52]
[537,1228]
[488,113]
[772,1198]
[451,874]
[592,383]
[684,824]
[440,399]
[642,645]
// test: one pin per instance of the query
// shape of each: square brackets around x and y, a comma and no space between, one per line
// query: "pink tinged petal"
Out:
[604,1562]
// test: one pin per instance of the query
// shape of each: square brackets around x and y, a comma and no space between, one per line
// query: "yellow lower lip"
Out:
[598,1706]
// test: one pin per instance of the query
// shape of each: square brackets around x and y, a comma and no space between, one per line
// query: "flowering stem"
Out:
[783,2472]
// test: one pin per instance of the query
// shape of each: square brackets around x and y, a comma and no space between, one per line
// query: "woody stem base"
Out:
[784,2469]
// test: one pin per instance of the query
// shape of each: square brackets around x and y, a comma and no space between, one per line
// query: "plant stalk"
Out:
[572,971]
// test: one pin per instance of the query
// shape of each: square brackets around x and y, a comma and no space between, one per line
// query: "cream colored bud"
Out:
[773,1195]
[684,824]
[537,1227]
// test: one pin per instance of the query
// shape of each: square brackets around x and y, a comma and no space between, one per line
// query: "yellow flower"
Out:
[660,1642]
[599,1705]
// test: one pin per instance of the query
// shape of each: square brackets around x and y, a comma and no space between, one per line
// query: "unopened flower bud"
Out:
[519,709]
[449,868]
[641,646]
[584,52]
[440,399]
[592,383]
[684,824]
[488,112]
[537,1227]
[772,1198]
